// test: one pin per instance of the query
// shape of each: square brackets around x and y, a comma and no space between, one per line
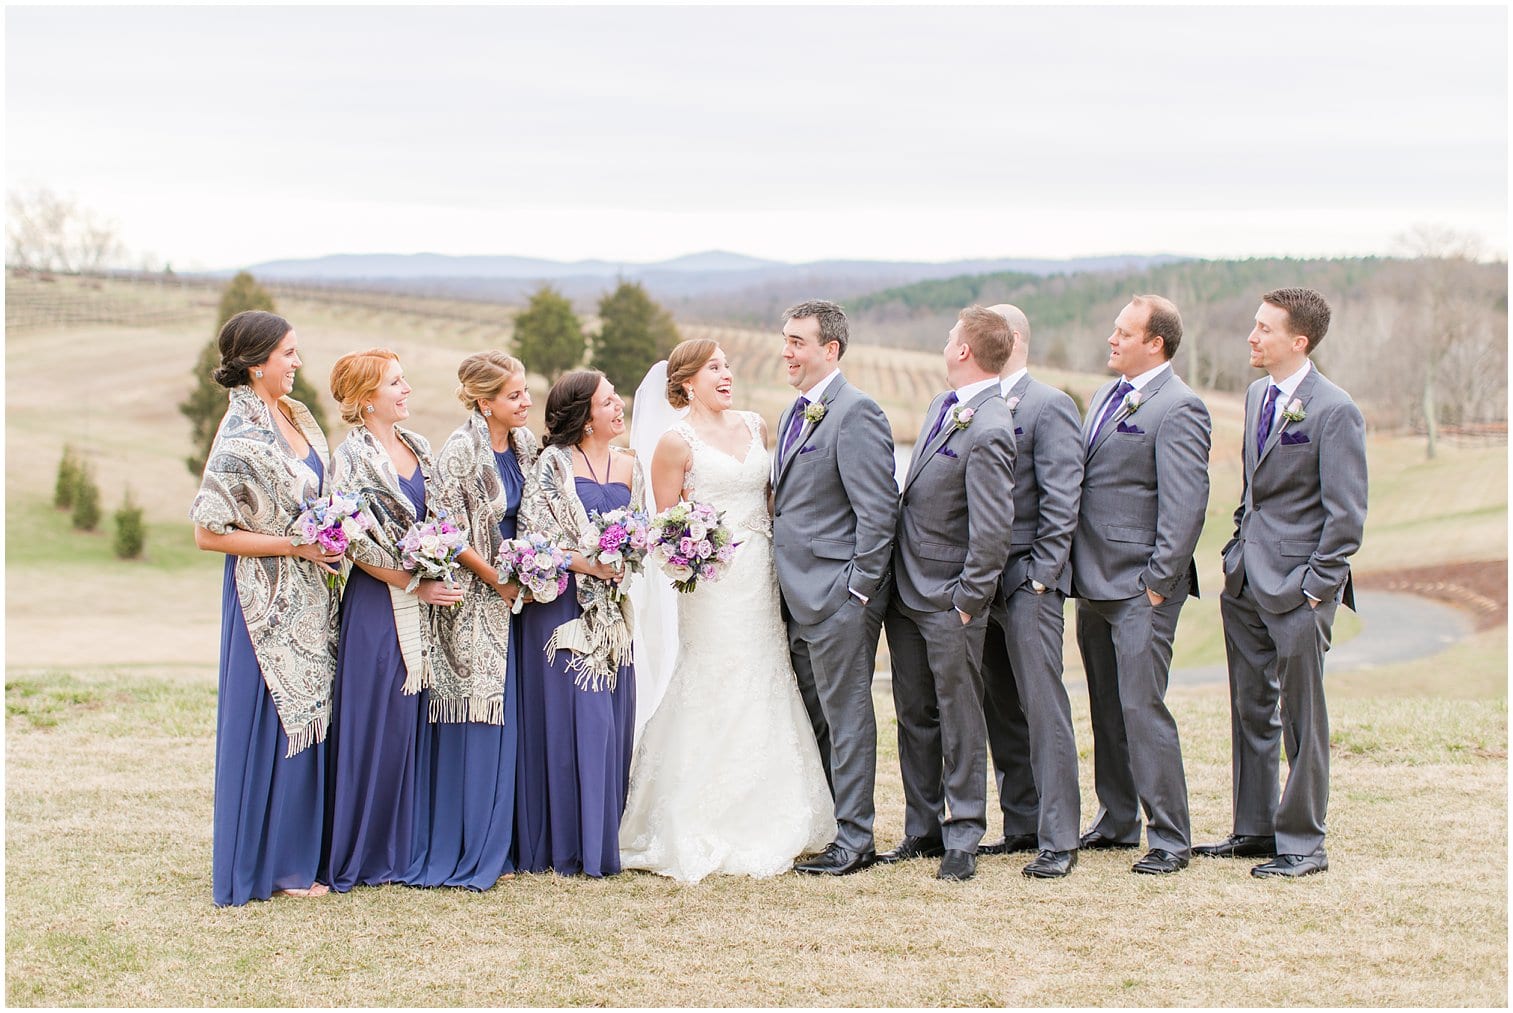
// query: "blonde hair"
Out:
[683,363]
[483,375]
[355,379]
[987,334]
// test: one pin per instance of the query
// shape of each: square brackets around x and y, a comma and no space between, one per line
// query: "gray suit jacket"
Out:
[835,505]
[956,513]
[1303,506]
[1144,494]
[1047,485]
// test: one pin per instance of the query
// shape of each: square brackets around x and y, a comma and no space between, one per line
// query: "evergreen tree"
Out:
[548,335]
[86,500]
[206,403]
[68,479]
[634,332]
[131,532]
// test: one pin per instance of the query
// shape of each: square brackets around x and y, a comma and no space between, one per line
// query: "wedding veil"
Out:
[652,597]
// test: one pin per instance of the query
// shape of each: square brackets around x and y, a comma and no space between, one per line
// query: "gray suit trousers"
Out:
[1030,719]
[833,661]
[1126,648]
[1276,698]
[942,749]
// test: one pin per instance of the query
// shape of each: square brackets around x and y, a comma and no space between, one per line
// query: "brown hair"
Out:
[684,362]
[1164,321]
[1307,312]
[356,377]
[245,341]
[832,321]
[569,405]
[483,375]
[987,334]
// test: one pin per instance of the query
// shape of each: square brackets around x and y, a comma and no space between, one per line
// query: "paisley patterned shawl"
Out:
[361,465]
[472,638]
[600,639]
[253,482]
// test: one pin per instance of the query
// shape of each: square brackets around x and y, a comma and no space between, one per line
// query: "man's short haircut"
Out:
[987,334]
[1164,320]
[1307,312]
[832,320]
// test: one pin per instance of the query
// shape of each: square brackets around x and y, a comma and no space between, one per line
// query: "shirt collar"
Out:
[1290,385]
[813,394]
[1007,383]
[971,390]
[1146,377]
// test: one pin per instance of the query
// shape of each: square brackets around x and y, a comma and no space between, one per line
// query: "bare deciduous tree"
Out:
[45,231]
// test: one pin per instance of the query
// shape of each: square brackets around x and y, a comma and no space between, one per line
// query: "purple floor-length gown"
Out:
[575,744]
[373,738]
[269,809]
[468,768]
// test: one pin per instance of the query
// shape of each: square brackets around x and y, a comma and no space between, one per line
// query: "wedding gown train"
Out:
[726,775]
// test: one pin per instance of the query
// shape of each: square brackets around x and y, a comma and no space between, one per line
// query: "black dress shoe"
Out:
[836,861]
[913,847]
[1010,844]
[1293,866]
[1158,863]
[957,866]
[1051,864]
[1239,846]
[1095,841]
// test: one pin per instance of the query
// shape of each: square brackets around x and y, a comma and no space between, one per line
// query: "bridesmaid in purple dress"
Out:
[468,765]
[577,705]
[382,652]
[278,621]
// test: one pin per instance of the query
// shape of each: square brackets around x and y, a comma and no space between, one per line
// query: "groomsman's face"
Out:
[1130,353]
[1272,343]
[807,360]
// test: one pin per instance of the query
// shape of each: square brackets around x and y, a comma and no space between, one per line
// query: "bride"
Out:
[726,776]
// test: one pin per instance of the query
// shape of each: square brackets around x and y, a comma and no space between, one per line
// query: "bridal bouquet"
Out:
[539,564]
[691,543]
[331,522]
[619,538]
[429,550]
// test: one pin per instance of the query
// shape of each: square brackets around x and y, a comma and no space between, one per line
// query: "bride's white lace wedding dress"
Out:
[726,775]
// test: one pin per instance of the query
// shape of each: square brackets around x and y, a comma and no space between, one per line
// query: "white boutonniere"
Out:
[1013,404]
[962,417]
[1294,412]
[814,412]
[1132,402]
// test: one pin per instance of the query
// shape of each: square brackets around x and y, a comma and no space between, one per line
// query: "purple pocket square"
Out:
[947,451]
[1293,439]
[1018,431]
[805,450]
[1133,430]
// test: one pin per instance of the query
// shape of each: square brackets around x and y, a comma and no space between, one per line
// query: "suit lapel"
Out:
[921,450]
[1019,389]
[777,457]
[1095,408]
[947,430]
[1147,394]
[1303,394]
[807,429]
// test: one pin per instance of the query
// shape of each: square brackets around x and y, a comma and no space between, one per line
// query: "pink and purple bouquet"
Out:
[619,538]
[429,550]
[692,544]
[331,522]
[537,563]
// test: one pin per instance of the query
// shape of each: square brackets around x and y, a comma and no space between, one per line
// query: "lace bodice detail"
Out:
[738,488]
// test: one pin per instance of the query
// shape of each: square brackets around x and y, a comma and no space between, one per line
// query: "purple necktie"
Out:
[940,419]
[1114,401]
[795,424]
[1268,411]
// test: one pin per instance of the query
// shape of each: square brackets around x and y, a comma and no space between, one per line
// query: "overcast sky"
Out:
[219,137]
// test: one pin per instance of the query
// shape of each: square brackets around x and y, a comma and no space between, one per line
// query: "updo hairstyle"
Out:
[683,364]
[247,340]
[355,379]
[483,375]
[569,405]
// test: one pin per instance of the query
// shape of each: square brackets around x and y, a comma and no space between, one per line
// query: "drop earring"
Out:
[370,409]
[488,413]
[258,373]
[588,430]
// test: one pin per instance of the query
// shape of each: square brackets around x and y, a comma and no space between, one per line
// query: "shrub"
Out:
[68,479]
[86,500]
[131,532]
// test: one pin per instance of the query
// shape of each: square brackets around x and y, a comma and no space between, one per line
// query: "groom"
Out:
[835,504]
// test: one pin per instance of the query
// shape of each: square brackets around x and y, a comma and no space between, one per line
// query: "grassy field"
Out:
[110,697]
